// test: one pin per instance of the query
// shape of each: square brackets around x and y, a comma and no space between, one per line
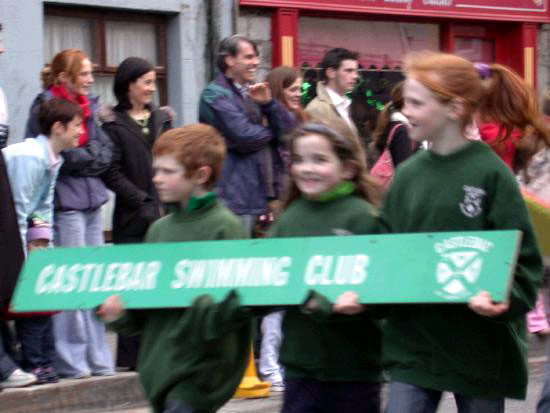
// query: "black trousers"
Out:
[313,396]
[37,342]
[127,350]
[179,406]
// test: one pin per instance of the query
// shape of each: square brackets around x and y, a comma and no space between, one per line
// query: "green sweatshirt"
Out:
[449,347]
[320,345]
[198,354]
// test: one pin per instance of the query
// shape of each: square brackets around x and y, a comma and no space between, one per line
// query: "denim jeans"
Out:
[409,398]
[7,366]
[270,369]
[249,221]
[37,342]
[80,339]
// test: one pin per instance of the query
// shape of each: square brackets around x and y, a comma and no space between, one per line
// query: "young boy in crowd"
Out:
[191,360]
[32,167]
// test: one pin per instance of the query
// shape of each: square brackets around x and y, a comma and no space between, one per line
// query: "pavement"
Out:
[122,394]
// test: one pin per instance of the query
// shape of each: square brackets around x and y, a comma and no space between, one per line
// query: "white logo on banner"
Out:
[460,265]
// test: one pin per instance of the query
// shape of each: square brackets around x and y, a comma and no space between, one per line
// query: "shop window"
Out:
[380,44]
[475,49]
[108,38]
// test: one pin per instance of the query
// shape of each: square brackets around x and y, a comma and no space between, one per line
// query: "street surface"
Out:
[272,404]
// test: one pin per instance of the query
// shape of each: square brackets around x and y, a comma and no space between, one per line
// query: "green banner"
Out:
[397,268]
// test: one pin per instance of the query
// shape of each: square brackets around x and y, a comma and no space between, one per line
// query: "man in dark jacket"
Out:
[252,171]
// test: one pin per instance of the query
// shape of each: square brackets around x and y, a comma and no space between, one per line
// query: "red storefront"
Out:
[383,31]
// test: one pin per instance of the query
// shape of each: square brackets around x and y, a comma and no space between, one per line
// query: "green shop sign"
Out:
[398,268]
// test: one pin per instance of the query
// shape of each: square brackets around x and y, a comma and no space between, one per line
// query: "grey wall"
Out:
[256,25]
[187,40]
[21,63]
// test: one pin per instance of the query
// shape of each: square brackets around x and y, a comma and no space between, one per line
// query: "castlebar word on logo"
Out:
[460,265]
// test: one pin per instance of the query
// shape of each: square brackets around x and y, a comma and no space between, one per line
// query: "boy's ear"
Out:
[57,127]
[457,108]
[202,175]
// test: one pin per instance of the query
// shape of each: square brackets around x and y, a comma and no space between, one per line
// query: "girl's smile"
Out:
[315,167]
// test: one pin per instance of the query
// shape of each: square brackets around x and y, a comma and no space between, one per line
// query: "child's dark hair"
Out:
[333,58]
[57,110]
[384,117]
[347,150]
[193,146]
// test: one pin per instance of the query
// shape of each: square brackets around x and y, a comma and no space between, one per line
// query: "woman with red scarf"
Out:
[80,340]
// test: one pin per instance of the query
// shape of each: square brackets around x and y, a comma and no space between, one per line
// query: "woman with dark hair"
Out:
[133,125]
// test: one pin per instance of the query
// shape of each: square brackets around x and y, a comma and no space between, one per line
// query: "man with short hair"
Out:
[236,107]
[338,76]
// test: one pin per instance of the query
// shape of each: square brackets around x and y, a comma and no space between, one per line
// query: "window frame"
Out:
[99,17]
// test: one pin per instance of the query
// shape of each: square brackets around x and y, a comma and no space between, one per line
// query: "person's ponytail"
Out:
[510,102]
[46,76]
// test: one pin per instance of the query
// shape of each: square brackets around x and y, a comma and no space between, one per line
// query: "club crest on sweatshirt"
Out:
[471,205]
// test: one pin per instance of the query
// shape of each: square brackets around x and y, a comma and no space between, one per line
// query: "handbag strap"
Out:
[391,134]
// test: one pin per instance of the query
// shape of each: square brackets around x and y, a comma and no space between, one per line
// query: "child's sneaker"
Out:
[51,375]
[277,386]
[41,375]
[18,379]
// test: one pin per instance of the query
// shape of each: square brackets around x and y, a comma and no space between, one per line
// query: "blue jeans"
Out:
[7,366]
[409,398]
[249,221]
[80,339]
[269,367]
[543,406]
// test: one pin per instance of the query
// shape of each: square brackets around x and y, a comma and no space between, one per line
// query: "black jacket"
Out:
[11,249]
[130,175]
[401,146]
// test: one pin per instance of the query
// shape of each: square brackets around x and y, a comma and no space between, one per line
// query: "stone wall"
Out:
[256,25]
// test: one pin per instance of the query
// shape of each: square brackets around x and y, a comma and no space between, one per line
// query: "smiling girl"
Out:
[477,351]
[332,361]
